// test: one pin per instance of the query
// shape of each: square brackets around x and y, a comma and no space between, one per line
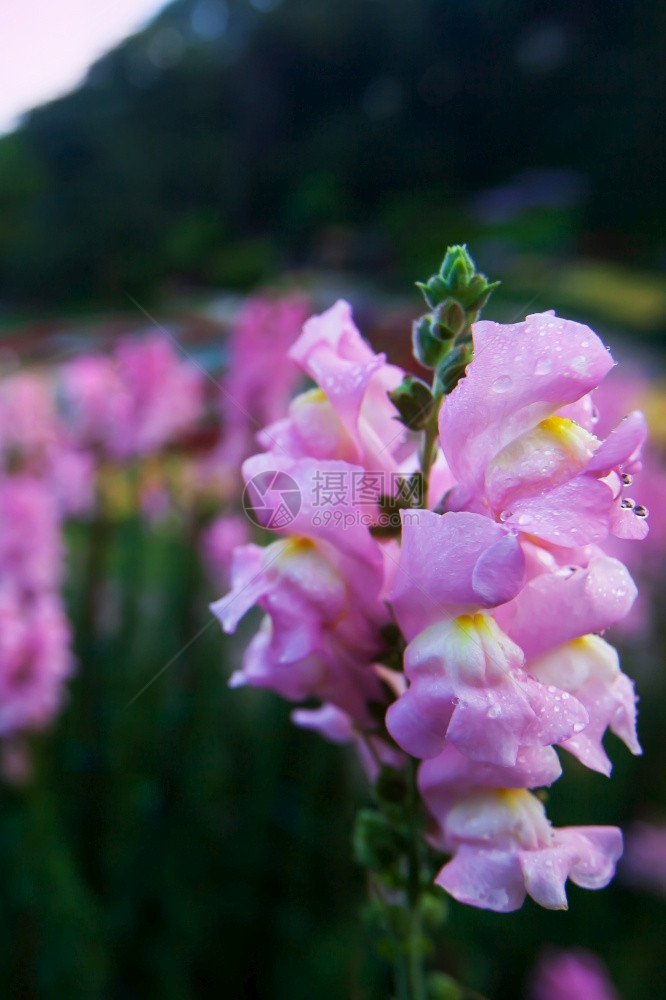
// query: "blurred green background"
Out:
[191,843]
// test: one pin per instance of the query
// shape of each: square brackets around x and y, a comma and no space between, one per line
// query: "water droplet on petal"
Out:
[502,383]
[543,366]
[578,727]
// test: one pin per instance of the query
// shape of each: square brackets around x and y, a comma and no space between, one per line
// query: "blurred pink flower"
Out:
[260,379]
[644,861]
[31,547]
[35,658]
[571,975]
[226,533]
[134,402]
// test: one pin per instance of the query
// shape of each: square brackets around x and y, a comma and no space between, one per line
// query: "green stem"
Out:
[427,451]
[408,965]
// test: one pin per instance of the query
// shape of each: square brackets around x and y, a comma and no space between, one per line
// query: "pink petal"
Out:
[451,562]
[575,513]
[622,444]
[489,879]
[554,608]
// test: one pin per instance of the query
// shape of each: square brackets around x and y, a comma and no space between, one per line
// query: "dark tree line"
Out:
[219,143]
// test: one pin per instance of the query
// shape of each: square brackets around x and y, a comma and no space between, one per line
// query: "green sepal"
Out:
[428,346]
[450,319]
[453,368]
[413,401]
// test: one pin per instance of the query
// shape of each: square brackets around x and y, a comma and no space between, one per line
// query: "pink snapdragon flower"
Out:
[516,451]
[504,848]
[553,620]
[467,682]
[349,416]
[571,975]
[498,598]
[321,630]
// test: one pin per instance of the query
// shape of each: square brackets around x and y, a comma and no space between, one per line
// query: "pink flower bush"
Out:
[134,402]
[35,439]
[35,656]
[35,659]
[494,597]
[31,548]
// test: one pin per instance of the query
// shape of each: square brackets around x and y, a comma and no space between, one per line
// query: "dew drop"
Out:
[641,511]
[502,383]
[543,366]
[628,503]
[579,364]
[578,727]
[494,712]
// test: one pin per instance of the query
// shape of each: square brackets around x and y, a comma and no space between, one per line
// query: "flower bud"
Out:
[413,401]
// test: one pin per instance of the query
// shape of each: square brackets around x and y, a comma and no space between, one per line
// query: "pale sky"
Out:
[46,46]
